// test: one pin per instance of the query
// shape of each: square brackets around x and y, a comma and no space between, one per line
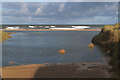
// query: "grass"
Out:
[4,36]
[108,35]
[109,41]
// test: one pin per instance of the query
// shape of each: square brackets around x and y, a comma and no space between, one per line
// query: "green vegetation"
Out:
[4,36]
[109,41]
[109,34]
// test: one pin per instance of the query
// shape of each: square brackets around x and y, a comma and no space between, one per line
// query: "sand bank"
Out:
[64,70]
[50,30]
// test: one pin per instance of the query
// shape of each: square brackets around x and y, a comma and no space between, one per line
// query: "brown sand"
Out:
[50,30]
[66,70]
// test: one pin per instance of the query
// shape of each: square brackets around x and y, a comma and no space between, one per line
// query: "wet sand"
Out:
[50,30]
[60,70]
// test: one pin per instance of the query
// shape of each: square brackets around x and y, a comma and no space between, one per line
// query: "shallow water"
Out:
[43,46]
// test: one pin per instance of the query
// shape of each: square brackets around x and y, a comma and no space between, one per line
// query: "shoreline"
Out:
[59,70]
[50,30]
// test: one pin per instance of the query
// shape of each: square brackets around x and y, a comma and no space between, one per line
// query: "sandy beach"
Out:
[50,30]
[59,70]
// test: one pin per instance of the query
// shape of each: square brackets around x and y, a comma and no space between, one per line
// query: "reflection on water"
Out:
[43,47]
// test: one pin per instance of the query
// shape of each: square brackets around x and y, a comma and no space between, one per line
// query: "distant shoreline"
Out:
[50,30]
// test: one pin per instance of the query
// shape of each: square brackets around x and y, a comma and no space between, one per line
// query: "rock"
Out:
[90,45]
[62,51]
[11,62]
[111,70]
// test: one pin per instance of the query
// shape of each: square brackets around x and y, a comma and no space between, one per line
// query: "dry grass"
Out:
[109,34]
[4,36]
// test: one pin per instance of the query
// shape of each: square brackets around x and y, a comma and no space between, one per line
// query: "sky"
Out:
[60,0]
[24,12]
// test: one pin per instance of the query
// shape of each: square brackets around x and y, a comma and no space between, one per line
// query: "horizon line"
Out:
[53,24]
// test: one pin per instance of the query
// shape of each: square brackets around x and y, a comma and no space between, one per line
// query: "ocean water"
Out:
[43,46]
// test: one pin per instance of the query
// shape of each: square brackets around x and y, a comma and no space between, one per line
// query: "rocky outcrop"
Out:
[108,38]
[109,42]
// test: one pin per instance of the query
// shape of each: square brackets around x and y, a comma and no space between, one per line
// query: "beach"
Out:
[50,30]
[59,70]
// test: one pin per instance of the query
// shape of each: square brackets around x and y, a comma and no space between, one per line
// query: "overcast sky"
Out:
[60,0]
[59,12]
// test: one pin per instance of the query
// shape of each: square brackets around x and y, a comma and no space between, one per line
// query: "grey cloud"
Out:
[61,7]
[59,12]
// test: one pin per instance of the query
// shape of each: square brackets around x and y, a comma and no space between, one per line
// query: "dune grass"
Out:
[109,41]
[4,36]
[109,34]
